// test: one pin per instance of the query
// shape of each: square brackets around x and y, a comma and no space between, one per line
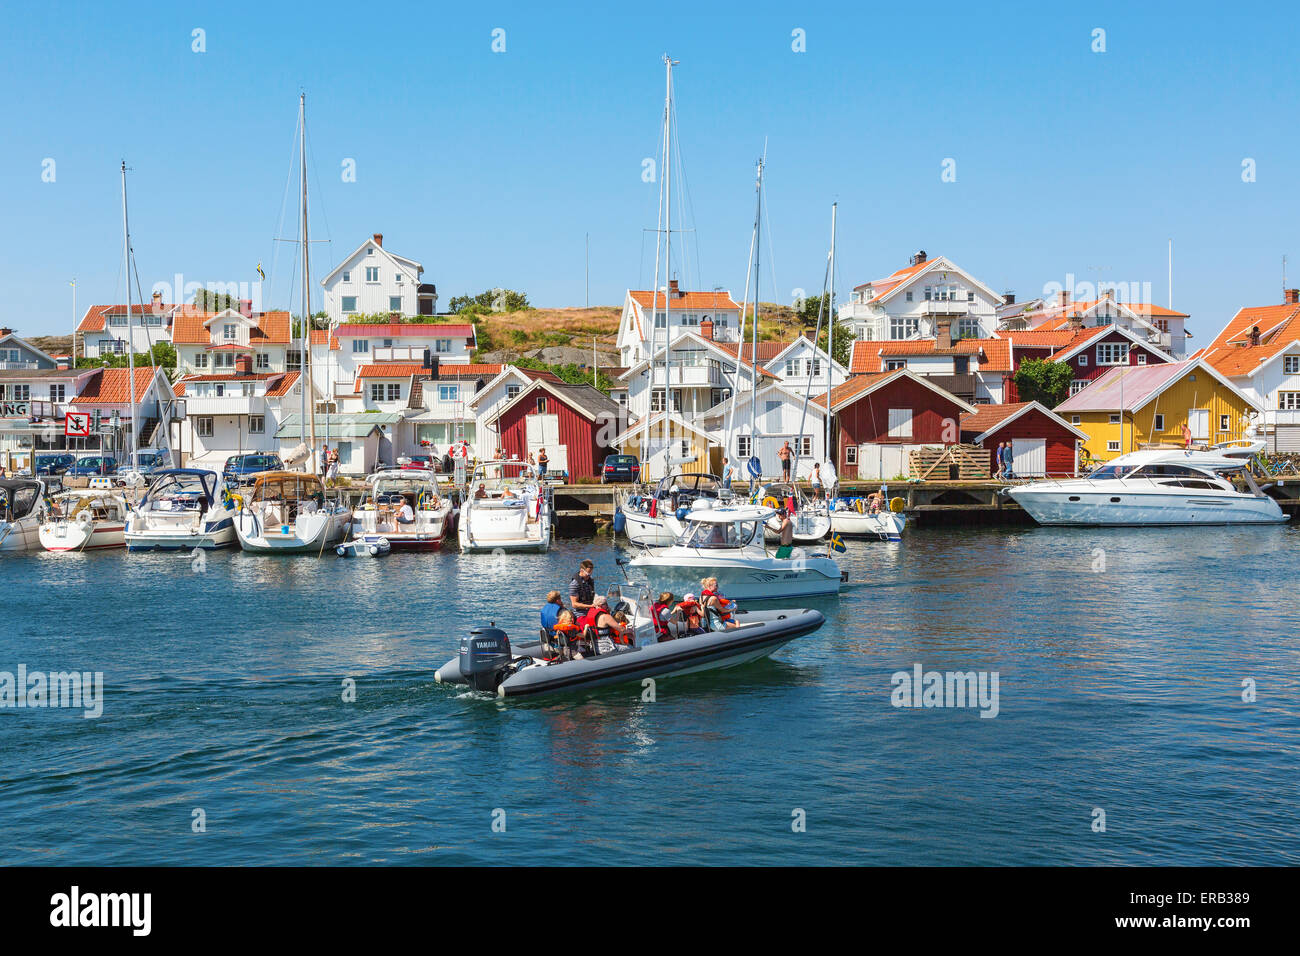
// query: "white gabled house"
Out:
[912,302]
[373,280]
[760,429]
[1159,326]
[107,329]
[714,315]
[489,401]
[233,413]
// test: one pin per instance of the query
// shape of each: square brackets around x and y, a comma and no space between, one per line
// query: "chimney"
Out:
[1008,298]
[943,332]
[706,329]
[1063,298]
[243,365]
[1076,320]
[673,291]
[1254,335]
[157,300]
[5,331]
[246,307]
[1291,297]
[379,239]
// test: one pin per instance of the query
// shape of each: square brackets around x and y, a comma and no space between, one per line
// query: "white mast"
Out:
[830,342]
[668,268]
[130,330]
[740,351]
[304,376]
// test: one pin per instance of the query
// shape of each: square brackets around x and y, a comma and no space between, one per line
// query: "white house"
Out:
[714,315]
[106,329]
[108,393]
[355,345]
[1162,327]
[910,303]
[233,413]
[702,373]
[1259,352]
[488,402]
[780,415]
[213,342]
[373,280]
[975,370]
[800,366]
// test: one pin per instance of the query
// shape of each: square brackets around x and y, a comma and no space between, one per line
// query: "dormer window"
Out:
[347,276]
[370,250]
[230,331]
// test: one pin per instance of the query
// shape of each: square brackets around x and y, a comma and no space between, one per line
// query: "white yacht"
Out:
[88,520]
[287,513]
[853,517]
[657,519]
[507,509]
[184,508]
[727,543]
[1155,486]
[22,504]
[377,515]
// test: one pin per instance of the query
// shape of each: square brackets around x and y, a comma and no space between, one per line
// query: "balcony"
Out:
[945,307]
[225,405]
[698,375]
[857,312]
[18,365]
[402,353]
[1281,416]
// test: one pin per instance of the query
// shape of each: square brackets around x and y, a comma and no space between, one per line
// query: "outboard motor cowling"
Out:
[484,657]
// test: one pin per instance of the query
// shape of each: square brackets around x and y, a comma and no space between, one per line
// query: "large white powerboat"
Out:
[87,520]
[22,504]
[507,509]
[380,513]
[1155,486]
[657,518]
[287,513]
[183,509]
[854,517]
[727,543]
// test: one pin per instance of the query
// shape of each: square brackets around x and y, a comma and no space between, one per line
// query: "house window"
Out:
[119,347]
[399,278]
[1078,385]
[804,446]
[661,320]
[394,391]
[1112,446]
[902,327]
[1291,365]
[622,399]
[892,364]
[815,367]
[1142,358]
[657,400]
[347,277]
[117,320]
[230,332]
[1224,422]
[263,361]
[57,393]
[1074,419]
[970,296]
[743,446]
[1288,401]
[850,454]
[1112,353]
[1114,419]
[223,360]
[201,360]
[1083,361]
[256,424]
[968,328]
[909,296]
[450,393]
[900,423]
[791,368]
[372,273]
[512,392]
[360,345]
[442,346]
[370,250]
[292,359]
[717,396]
[376,392]
[1159,424]
[690,318]
[203,426]
[349,303]
[152,319]
[394,303]
[541,404]
[21,393]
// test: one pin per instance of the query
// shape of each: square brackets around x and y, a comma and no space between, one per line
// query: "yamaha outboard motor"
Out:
[484,656]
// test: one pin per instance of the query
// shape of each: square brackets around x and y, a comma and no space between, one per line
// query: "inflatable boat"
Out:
[488,662]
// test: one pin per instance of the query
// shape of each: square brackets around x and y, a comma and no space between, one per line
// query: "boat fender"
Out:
[682,512]
[620,522]
[770,502]
[862,506]
[897,504]
[341,551]
[85,520]
[237,501]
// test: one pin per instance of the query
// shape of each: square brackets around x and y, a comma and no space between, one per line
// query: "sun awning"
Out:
[355,425]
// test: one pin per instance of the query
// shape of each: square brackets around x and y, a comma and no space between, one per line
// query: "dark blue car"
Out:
[92,465]
[54,464]
[620,468]
[240,469]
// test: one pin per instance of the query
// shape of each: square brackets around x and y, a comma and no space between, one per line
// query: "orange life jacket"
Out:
[692,612]
[656,616]
[724,606]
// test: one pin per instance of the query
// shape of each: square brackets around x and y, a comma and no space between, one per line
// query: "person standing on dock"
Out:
[816,481]
[997,460]
[728,473]
[784,453]
[542,461]
[582,589]
[1007,470]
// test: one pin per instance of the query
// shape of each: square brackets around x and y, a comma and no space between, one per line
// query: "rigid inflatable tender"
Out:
[487,662]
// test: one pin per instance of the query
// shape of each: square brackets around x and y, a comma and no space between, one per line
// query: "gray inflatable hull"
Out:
[759,634]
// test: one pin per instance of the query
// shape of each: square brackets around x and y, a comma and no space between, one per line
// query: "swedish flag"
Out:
[837,543]
[260,274]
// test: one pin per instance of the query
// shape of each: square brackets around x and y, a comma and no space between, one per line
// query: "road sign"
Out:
[77,425]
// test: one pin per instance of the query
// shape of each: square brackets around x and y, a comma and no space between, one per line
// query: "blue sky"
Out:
[491,167]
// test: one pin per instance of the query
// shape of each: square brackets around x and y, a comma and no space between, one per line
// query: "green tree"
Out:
[1045,381]
[164,354]
[841,349]
[493,300]
[210,301]
[570,372]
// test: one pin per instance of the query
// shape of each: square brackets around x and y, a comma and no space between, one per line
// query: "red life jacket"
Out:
[724,606]
[692,612]
[656,615]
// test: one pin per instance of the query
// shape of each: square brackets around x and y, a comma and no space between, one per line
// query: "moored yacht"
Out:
[22,502]
[507,509]
[380,513]
[183,509]
[657,519]
[727,543]
[1154,486]
[853,517]
[287,513]
[86,520]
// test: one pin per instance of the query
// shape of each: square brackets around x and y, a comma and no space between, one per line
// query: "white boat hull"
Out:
[209,535]
[498,528]
[680,570]
[658,532]
[309,534]
[1114,504]
[75,536]
[20,535]
[885,525]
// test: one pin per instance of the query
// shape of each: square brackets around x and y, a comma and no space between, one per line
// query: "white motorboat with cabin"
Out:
[727,542]
[380,513]
[1155,486]
[22,506]
[507,509]
[657,518]
[854,517]
[89,519]
[287,513]
[184,508]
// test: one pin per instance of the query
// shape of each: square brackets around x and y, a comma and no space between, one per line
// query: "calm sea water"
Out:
[1120,689]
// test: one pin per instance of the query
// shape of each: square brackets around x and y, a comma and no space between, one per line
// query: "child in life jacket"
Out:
[713,600]
[659,612]
[692,614]
[566,633]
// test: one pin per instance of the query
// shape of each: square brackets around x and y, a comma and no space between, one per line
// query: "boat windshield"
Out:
[17,501]
[691,486]
[713,534]
[186,489]
[1109,471]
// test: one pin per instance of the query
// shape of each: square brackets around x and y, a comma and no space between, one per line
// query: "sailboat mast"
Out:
[830,338]
[130,329]
[304,376]
[753,355]
[668,267]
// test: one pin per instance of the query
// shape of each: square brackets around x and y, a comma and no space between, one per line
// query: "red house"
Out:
[1090,352]
[881,416]
[1042,442]
[576,424]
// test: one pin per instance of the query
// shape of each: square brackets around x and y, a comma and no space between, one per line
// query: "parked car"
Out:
[424,462]
[92,465]
[54,464]
[620,468]
[240,469]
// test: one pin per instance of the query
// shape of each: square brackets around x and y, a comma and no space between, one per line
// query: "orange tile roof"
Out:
[766,350]
[867,354]
[274,388]
[93,320]
[537,373]
[109,386]
[188,329]
[318,338]
[1230,353]
[711,301]
[854,385]
[273,328]
[455,370]
[391,370]
[281,388]
[987,417]
[882,286]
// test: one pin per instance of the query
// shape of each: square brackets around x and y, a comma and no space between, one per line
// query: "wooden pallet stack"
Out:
[937,463]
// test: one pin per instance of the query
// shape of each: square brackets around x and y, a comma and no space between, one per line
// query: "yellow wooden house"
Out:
[1132,406]
[689,449]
